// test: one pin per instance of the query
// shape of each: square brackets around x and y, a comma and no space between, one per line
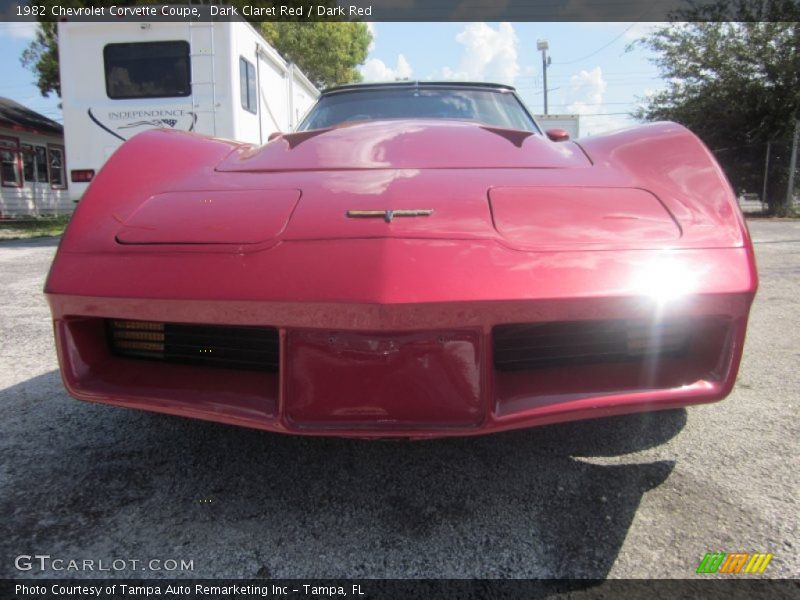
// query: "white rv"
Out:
[216,78]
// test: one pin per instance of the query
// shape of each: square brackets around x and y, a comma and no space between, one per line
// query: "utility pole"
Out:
[543,46]
[766,178]
[792,168]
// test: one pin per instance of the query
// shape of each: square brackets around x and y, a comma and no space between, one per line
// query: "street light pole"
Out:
[766,179]
[543,46]
[789,206]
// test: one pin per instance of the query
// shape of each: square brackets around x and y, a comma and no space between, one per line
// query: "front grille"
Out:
[540,345]
[225,346]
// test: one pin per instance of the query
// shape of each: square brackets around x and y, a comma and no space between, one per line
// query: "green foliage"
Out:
[736,85]
[41,57]
[27,227]
[328,53]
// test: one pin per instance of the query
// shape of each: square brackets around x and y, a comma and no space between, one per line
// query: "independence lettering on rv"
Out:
[148,114]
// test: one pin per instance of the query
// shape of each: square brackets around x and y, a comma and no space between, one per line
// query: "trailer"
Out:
[569,123]
[216,78]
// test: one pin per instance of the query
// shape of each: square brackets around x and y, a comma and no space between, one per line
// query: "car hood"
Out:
[406,144]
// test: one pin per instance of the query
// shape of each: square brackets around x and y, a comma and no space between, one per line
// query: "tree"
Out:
[41,57]
[735,84]
[327,52]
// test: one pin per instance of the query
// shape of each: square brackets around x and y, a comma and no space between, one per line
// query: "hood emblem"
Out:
[388,215]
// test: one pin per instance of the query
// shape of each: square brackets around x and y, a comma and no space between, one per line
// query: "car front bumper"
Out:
[407,347]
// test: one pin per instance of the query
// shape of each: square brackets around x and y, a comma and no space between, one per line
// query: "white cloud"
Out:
[586,92]
[18,30]
[376,70]
[489,54]
[588,87]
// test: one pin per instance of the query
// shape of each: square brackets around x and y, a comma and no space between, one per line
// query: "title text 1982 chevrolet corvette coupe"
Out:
[417,260]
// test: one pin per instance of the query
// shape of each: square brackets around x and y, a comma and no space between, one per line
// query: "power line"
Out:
[643,73]
[601,48]
[610,79]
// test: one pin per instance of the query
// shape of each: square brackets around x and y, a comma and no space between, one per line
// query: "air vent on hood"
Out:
[210,217]
[534,218]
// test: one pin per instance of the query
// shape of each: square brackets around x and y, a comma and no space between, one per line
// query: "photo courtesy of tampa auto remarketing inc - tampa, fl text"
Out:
[399,299]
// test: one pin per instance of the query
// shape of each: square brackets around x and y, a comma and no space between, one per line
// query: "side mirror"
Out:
[557,135]
[274,135]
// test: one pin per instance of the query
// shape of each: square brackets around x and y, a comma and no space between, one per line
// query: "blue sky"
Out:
[590,72]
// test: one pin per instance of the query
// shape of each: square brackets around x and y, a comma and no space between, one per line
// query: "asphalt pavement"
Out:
[634,497]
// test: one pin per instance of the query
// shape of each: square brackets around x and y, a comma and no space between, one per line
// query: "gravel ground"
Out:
[643,496]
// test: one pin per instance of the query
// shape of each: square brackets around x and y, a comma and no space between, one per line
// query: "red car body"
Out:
[508,280]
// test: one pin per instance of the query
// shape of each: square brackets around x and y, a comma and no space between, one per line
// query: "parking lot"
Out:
[635,497]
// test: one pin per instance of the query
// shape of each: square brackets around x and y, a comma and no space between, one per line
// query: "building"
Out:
[34,169]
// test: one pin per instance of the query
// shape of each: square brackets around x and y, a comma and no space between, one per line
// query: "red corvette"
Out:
[417,260]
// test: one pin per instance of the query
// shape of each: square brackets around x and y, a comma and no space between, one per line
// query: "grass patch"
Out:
[20,229]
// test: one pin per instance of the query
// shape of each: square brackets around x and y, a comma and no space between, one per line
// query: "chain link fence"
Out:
[759,174]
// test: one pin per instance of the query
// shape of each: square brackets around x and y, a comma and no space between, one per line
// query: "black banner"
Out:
[400,10]
[375,589]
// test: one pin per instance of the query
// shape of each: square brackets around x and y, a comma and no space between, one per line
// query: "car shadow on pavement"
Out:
[89,481]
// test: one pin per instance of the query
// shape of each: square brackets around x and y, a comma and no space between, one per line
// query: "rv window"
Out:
[58,175]
[247,85]
[147,70]
[34,163]
[9,153]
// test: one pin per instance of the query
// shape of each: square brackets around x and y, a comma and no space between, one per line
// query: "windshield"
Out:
[491,107]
